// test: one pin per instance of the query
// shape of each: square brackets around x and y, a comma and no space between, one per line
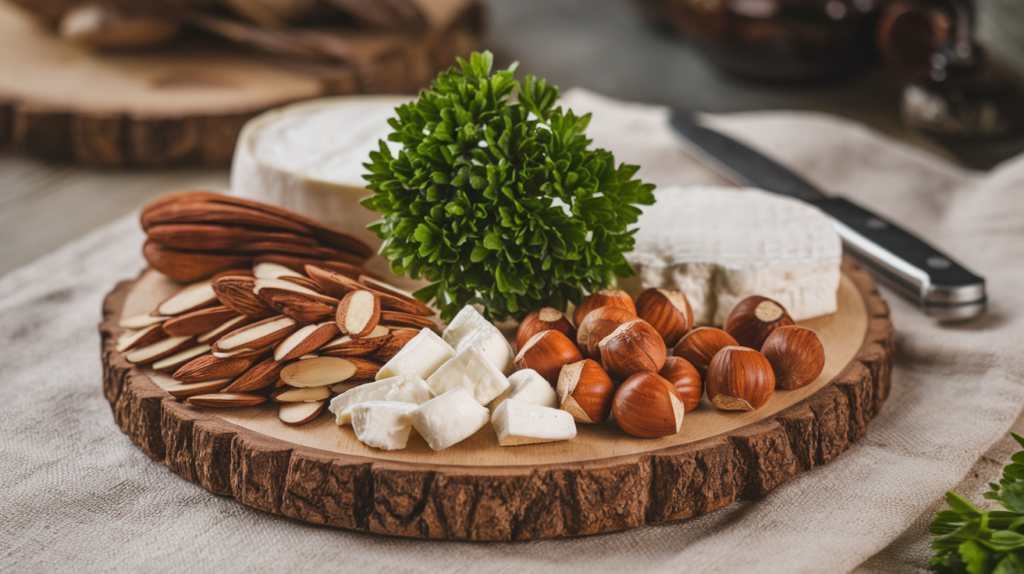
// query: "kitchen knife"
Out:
[941,286]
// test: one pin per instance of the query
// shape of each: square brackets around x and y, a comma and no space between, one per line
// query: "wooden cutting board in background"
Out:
[601,481]
[184,105]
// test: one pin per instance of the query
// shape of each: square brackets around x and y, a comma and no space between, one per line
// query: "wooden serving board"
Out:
[184,104]
[603,480]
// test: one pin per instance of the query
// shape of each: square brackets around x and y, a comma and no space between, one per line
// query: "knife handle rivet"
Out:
[876,224]
[936,262]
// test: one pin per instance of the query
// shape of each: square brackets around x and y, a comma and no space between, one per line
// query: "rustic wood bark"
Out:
[58,124]
[502,503]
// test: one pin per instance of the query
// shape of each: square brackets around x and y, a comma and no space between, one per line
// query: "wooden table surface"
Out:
[599,44]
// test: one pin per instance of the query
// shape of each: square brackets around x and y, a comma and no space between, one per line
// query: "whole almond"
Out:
[236,292]
[396,340]
[190,266]
[208,368]
[198,322]
[260,375]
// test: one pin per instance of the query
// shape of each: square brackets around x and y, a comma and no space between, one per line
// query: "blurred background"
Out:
[104,106]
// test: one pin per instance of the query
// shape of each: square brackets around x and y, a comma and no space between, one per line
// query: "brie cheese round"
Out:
[722,245]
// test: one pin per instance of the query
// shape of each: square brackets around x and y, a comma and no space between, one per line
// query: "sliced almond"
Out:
[304,306]
[257,335]
[226,400]
[159,350]
[346,346]
[399,319]
[236,292]
[176,360]
[298,264]
[300,413]
[229,325]
[260,375]
[396,340]
[318,372]
[185,390]
[143,338]
[141,321]
[395,299]
[333,283]
[240,353]
[358,313]
[293,395]
[192,298]
[303,282]
[208,368]
[199,322]
[305,340]
[262,284]
[270,270]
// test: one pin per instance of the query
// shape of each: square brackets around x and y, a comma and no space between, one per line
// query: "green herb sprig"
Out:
[496,198]
[968,540]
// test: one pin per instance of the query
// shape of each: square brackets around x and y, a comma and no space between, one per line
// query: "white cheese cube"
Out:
[404,389]
[383,424]
[465,322]
[528,386]
[421,356]
[494,345]
[473,371]
[517,422]
[449,418]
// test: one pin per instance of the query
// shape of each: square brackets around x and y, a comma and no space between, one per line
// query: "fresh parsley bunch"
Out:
[496,198]
[968,540]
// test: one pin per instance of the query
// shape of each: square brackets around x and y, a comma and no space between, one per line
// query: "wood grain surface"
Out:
[184,104]
[601,481]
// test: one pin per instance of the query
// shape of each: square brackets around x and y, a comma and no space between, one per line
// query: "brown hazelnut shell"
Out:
[631,348]
[546,352]
[546,319]
[599,324]
[685,378]
[603,298]
[796,355]
[700,345]
[754,318]
[668,311]
[585,391]
[648,406]
[739,379]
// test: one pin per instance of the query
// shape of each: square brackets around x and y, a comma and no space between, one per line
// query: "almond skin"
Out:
[796,355]
[209,368]
[236,292]
[740,379]
[226,400]
[603,298]
[585,391]
[260,375]
[396,339]
[685,378]
[198,322]
[358,313]
[546,319]
[599,324]
[648,406]
[754,318]
[547,352]
[700,345]
[668,311]
[632,348]
[191,266]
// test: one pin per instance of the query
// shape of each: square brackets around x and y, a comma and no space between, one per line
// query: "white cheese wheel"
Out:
[722,245]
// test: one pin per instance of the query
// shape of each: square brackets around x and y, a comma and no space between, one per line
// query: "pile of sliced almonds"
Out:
[290,330]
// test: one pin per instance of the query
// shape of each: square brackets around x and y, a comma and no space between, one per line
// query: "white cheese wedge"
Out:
[449,418]
[383,424]
[421,356]
[722,245]
[518,422]
[470,329]
[528,386]
[404,388]
[473,371]
[467,320]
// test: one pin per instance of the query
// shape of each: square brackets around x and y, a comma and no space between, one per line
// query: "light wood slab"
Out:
[602,480]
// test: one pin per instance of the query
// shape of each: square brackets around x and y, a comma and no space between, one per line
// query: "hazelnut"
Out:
[740,379]
[685,378]
[754,318]
[585,391]
[547,319]
[546,352]
[648,406]
[796,356]
[632,347]
[700,345]
[668,311]
[599,324]
[603,298]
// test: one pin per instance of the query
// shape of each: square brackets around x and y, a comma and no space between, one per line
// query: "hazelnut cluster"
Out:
[643,362]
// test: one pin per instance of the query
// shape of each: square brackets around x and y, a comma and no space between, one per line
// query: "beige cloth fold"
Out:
[78,496]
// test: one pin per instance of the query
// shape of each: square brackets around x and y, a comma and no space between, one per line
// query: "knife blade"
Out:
[939,285]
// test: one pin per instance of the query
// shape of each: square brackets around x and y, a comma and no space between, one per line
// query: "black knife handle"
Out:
[945,288]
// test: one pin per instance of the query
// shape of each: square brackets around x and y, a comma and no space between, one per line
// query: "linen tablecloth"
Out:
[78,496]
